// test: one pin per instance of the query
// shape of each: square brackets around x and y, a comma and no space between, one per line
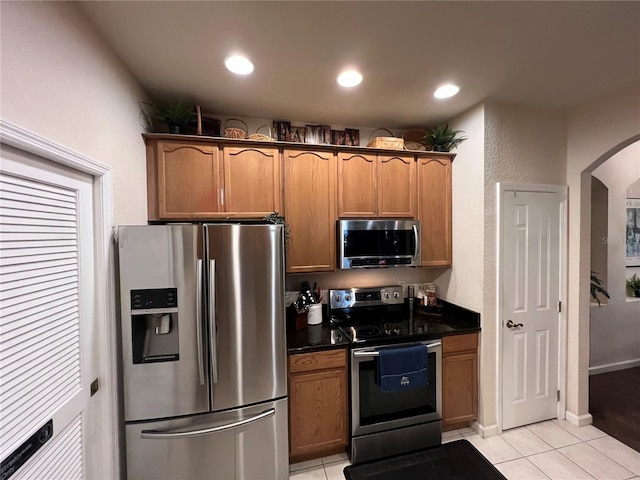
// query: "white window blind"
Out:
[40,367]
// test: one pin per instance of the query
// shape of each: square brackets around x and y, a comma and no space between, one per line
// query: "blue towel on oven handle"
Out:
[402,368]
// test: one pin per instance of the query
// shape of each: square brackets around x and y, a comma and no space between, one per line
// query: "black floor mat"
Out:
[457,460]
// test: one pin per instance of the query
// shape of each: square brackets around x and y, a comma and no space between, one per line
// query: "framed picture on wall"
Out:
[633,232]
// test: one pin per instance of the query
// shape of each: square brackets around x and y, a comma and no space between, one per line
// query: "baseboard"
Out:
[612,367]
[485,431]
[579,420]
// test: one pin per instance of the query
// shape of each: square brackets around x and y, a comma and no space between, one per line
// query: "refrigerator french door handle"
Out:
[168,434]
[213,323]
[199,322]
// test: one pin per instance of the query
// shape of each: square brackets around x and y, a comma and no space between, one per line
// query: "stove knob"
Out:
[386,294]
[396,295]
[347,298]
[338,298]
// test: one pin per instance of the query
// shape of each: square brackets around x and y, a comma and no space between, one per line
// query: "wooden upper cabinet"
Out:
[182,180]
[190,180]
[252,185]
[309,207]
[396,186]
[434,210]
[357,185]
[372,185]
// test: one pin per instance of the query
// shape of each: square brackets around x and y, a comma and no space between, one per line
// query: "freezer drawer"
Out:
[244,444]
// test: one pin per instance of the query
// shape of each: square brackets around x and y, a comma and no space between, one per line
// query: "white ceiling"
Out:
[547,54]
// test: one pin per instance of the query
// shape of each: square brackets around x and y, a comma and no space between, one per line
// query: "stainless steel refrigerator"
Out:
[203,351]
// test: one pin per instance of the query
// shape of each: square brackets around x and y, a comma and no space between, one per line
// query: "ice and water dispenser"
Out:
[154,325]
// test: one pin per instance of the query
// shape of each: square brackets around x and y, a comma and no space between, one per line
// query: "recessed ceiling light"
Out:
[239,64]
[446,91]
[349,78]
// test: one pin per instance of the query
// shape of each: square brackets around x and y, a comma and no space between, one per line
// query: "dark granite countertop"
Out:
[447,319]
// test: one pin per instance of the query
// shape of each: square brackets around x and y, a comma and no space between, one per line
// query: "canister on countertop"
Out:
[430,293]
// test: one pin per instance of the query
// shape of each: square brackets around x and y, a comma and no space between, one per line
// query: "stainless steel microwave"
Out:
[378,243]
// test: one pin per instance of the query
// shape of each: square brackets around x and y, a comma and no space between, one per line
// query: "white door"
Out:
[46,313]
[530,320]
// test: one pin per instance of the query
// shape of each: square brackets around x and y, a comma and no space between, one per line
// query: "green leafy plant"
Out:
[634,284]
[443,139]
[278,219]
[596,287]
[176,116]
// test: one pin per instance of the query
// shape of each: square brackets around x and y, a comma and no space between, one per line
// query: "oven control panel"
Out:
[365,297]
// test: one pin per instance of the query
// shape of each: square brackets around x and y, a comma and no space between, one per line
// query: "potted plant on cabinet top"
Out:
[634,284]
[176,116]
[443,139]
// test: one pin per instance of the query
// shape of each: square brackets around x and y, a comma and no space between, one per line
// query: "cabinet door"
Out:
[252,186]
[459,387]
[357,185]
[182,180]
[309,209]
[434,211]
[317,411]
[396,186]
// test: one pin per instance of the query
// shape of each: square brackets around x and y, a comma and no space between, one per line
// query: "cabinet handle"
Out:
[222,196]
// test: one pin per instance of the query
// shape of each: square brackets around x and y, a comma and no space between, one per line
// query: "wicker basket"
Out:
[414,146]
[261,136]
[235,132]
[414,135]
[389,143]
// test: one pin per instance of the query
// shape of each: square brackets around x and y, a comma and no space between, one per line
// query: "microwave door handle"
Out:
[213,322]
[416,249]
[168,434]
[199,322]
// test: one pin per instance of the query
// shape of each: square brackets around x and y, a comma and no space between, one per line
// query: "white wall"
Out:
[599,229]
[59,81]
[463,283]
[595,132]
[522,145]
[615,327]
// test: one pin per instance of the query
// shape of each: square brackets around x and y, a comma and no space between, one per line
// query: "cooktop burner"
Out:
[366,331]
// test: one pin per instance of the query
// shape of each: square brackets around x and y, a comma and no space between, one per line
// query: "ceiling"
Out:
[545,54]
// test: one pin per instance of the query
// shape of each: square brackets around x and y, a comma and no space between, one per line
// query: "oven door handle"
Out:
[376,353]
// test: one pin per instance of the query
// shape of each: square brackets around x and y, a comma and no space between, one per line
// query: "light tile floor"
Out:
[553,450]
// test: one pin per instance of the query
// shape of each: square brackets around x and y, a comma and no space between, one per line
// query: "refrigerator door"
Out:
[246,443]
[164,354]
[246,314]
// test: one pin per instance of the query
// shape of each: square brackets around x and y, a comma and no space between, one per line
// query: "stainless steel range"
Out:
[385,424]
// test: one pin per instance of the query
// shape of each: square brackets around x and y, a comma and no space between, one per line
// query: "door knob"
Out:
[510,324]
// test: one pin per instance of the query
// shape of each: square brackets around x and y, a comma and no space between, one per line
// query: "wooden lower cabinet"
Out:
[459,379]
[318,403]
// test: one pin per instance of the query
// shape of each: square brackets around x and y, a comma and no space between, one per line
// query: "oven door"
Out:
[373,410]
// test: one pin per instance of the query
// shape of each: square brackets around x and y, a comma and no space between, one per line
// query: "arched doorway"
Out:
[614,329]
